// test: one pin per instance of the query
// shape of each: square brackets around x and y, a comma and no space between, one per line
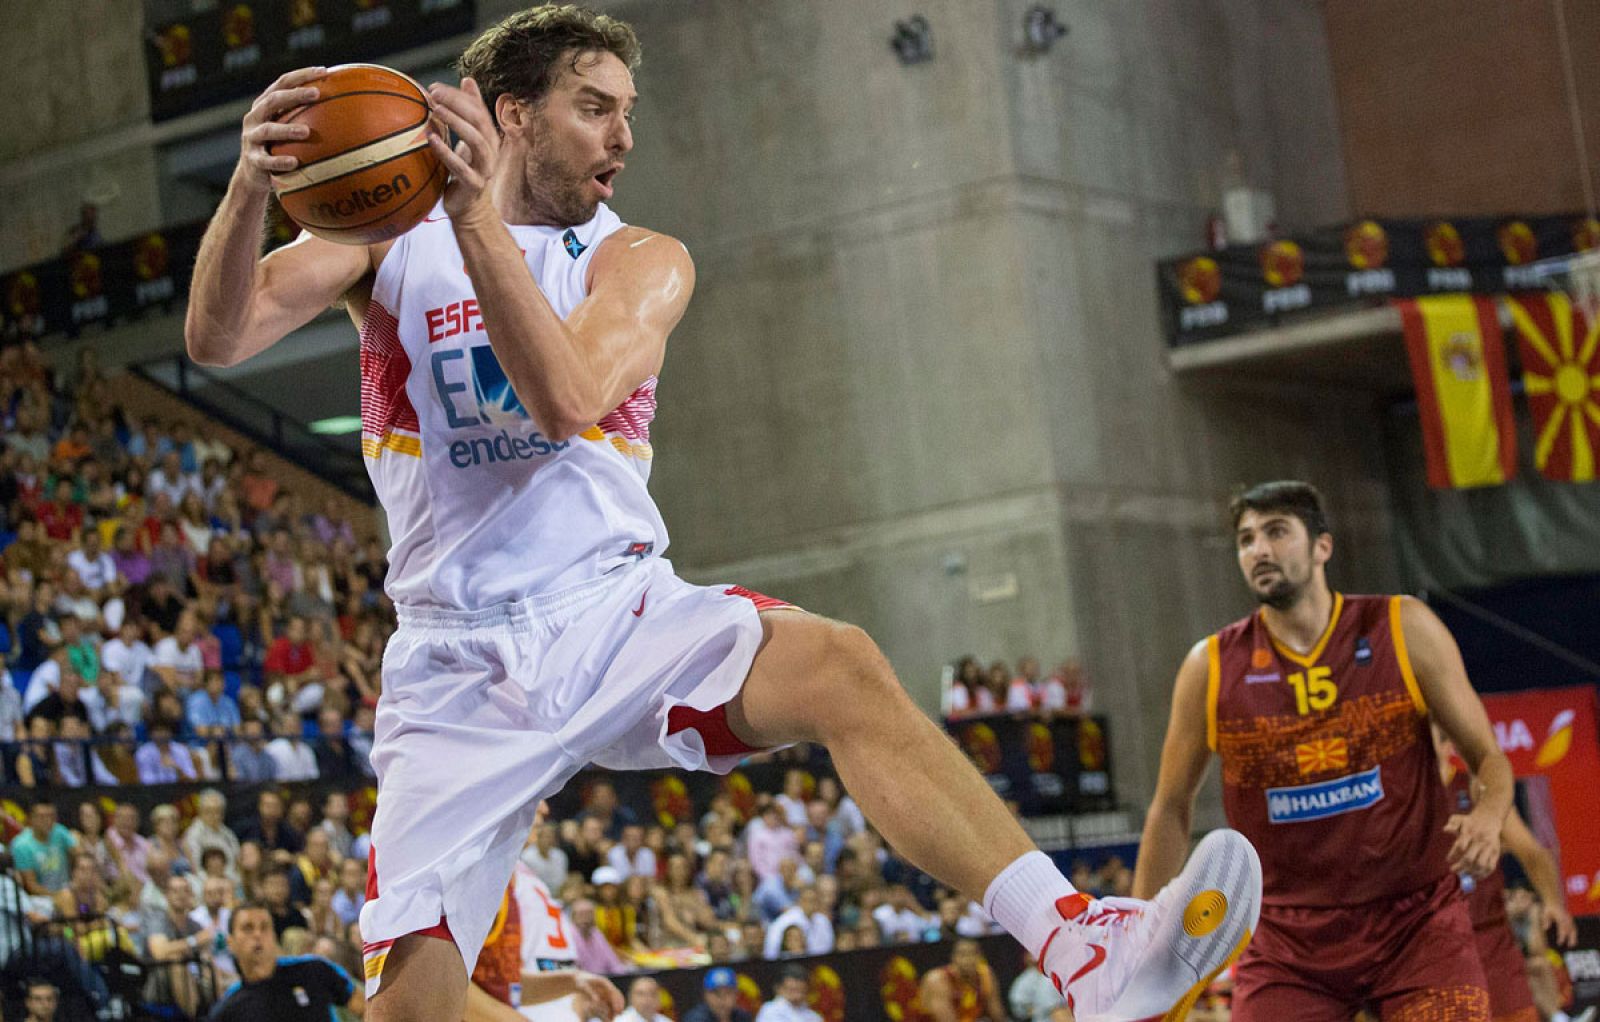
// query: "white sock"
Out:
[1023,897]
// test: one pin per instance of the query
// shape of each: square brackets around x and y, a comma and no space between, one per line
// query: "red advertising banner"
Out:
[1551,739]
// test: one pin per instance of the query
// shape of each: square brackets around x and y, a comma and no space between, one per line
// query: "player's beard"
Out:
[1286,591]
[555,188]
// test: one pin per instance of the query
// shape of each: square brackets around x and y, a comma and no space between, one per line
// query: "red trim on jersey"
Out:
[762,602]
[441,929]
[631,419]
[385,367]
[713,727]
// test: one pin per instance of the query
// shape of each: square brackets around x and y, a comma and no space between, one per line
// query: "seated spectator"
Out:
[613,914]
[789,998]
[128,847]
[793,799]
[948,991]
[212,713]
[40,853]
[289,659]
[175,939]
[212,914]
[644,1002]
[586,846]
[769,840]
[65,701]
[113,699]
[720,1001]
[248,759]
[315,862]
[269,830]
[779,891]
[93,566]
[1022,693]
[13,725]
[161,760]
[73,767]
[170,480]
[75,602]
[629,857]
[38,635]
[132,563]
[115,753]
[351,893]
[335,823]
[544,856]
[164,837]
[178,662]
[62,516]
[361,739]
[170,560]
[333,753]
[292,758]
[901,919]
[815,928]
[210,830]
[275,897]
[44,680]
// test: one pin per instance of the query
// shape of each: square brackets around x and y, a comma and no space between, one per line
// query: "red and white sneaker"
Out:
[1122,959]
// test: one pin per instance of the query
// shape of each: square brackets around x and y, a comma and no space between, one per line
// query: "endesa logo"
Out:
[1327,798]
[474,392]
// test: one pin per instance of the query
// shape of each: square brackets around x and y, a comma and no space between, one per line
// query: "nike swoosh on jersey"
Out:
[640,611]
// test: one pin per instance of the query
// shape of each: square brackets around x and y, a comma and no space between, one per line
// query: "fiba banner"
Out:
[1550,737]
[1046,766]
[1212,294]
[872,985]
[230,50]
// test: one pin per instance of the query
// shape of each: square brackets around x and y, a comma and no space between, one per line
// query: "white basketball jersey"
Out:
[484,509]
[545,944]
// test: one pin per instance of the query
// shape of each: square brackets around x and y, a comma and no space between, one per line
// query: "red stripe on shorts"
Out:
[713,727]
[441,929]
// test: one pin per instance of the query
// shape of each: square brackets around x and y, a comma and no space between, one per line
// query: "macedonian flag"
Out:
[1458,364]
[1561,374]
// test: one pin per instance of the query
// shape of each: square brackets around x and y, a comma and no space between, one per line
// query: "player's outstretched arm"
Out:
[1442,678]
[240,304]
[1184,758]
[1540,866]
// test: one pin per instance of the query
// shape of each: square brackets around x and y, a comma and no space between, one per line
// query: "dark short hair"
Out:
[1286,496]
[246,906]
[526,53]
[794,972]
[211,851]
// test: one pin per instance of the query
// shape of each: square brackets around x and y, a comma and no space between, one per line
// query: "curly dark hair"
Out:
[1289,496]
[525,54]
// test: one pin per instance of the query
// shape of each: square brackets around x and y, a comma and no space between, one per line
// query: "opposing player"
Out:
[1318,706]
[1510,997]
[509,351]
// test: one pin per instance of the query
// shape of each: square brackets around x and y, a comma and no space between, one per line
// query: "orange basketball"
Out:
[366,173]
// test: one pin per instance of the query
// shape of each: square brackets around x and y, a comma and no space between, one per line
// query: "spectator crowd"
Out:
[973,690]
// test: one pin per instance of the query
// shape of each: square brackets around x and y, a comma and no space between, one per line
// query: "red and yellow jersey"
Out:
[1328,765]
[971,999]
[499,968]
[1486,898]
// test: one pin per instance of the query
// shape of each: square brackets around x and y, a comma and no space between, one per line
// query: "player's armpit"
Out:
[1185,755]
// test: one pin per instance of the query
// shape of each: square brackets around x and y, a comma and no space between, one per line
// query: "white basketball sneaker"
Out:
[1122,959]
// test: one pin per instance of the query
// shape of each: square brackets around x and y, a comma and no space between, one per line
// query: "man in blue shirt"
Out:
[721,1001]
[211,711]
[40,852]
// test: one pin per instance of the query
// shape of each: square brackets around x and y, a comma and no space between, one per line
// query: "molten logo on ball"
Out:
[363,199]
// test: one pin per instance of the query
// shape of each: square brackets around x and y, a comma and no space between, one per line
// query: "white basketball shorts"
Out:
[484,713]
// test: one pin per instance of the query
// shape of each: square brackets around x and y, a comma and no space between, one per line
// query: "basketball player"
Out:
[962,991]
[509,351]
[1318,706]
[1510,997]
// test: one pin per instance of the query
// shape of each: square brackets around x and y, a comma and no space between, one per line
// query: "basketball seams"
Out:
[401,154]
[364,92]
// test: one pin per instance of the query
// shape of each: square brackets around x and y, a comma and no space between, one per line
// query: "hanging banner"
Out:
[1047,766]
[1242,287]
[1550,737]
[233,50]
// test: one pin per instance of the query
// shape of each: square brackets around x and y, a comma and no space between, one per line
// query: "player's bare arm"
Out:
[239,303]
[567,373]
[1442,677]
[1540,866]
[1185,755]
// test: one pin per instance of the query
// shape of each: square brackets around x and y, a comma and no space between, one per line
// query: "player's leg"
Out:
[1432,972]
[423,978]
[820,681]
[1510,997]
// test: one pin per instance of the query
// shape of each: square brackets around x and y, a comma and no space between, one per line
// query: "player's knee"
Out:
[856,674]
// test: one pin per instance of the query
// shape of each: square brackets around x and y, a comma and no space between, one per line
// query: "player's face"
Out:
[965,958]
[1278,557]
[575,140]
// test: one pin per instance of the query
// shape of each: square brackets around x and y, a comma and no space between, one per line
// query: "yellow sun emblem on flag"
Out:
[1570,375]
[1322,754]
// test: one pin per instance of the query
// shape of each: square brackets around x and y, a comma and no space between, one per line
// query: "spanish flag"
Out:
[1458,364]
[1561,375]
